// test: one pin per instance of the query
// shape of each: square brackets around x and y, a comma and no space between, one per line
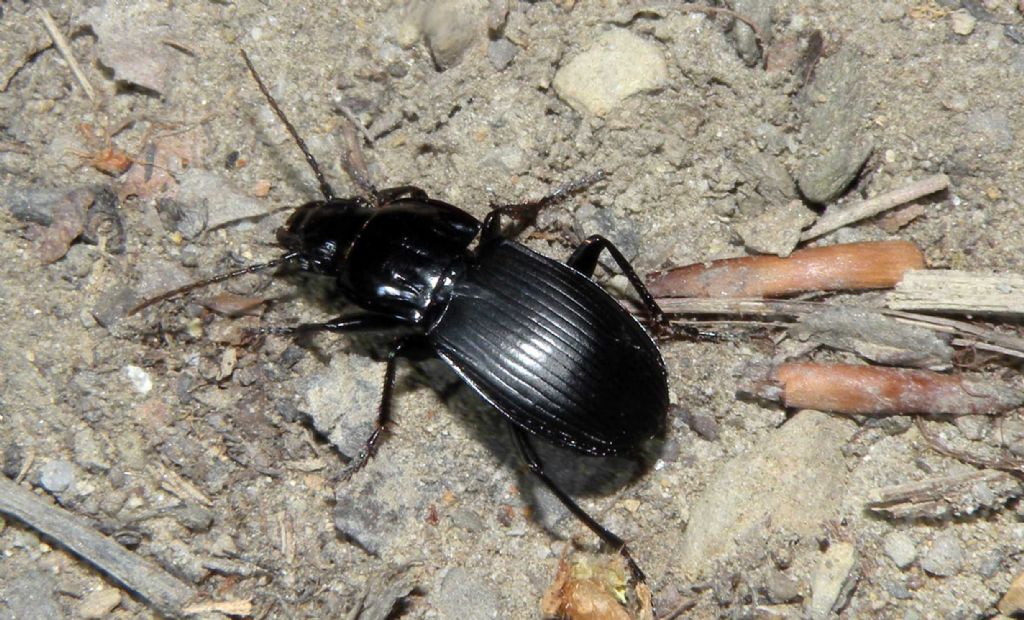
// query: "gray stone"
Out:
[946,556]
[781,587]
[789,481]
[31,204]
[962,23]
[890,12]
[113,304]
[189,219]
[619,64]
[900,548]
[501,53]
[125,33]
[57,476]
[824,176]
[450,27]
[747,46]
[777,229]
[198,187]
[621,231]
[898,591]
[90,453]
[361,514]
[834,145]
[99,603]
[342,400]
[992,127]
[465,595]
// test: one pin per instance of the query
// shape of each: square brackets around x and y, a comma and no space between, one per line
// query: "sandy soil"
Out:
[223,459]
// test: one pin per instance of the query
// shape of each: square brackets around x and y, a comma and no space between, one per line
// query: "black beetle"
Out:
[539,340]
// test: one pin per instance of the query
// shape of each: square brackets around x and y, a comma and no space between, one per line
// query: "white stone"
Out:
[619,64]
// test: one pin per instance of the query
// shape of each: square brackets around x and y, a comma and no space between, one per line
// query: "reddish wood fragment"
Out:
[850,266]
[879,391]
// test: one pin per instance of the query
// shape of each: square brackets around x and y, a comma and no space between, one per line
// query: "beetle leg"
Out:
[533,462]
[584,260]
[526,212]
[383,409]
[341,324]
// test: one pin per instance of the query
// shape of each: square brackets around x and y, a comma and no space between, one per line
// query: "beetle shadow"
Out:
[576,474]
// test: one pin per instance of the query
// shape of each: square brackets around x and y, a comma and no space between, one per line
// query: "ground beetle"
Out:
[539,340]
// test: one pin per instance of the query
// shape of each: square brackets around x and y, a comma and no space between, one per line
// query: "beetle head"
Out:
[323,231]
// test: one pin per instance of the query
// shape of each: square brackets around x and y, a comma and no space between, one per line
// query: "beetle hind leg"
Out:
[584,260]
[534,463]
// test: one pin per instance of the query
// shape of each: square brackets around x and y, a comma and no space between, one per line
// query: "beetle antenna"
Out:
[181,290]
[325,188]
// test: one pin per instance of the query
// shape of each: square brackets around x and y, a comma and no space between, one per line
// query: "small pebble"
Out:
[450,27]
[890,12]
[833,579]
[501,53]
[99,603]
[57,476]
[962,22]
[900,549]
[139,378]
[945,558]
[1013,601]
[782,588]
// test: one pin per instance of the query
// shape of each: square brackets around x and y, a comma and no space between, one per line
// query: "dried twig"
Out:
[782,312]
[163,591]
[960,292]
[1002,463]
[65,50]
[837,218]
[956,495]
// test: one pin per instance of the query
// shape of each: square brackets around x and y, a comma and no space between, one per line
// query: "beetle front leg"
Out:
[526,212]
[584,260]
[533,462]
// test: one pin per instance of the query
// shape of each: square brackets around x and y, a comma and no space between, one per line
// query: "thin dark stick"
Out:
[181,290]
[325,188]
[163,591]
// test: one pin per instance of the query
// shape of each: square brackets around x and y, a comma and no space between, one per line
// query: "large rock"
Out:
[789,483]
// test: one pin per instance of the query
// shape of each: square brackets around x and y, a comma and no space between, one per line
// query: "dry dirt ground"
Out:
[222,459]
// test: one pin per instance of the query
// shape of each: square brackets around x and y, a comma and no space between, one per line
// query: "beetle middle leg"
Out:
[533,461]
[401,347]
[341,324]
[384,408]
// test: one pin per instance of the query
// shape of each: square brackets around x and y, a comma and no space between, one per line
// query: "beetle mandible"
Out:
[539,340]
